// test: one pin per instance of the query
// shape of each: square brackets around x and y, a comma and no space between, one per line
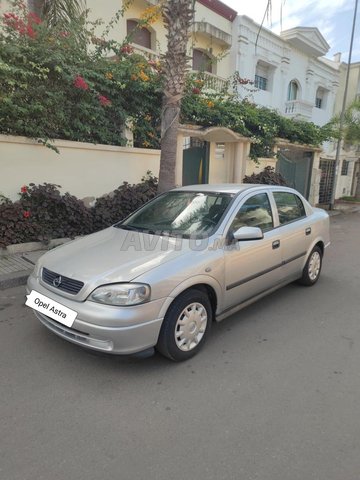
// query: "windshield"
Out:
[180,213]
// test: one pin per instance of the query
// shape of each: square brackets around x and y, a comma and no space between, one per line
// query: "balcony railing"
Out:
[213,82]
[146,52]
[299,108]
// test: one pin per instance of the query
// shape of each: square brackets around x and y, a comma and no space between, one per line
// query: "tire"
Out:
[312,269]
[192,311]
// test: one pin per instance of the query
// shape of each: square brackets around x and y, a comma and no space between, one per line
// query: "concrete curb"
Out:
[15,279]
[32,246]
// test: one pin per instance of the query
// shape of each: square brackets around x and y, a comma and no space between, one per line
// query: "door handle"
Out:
[308,231]
[276,244]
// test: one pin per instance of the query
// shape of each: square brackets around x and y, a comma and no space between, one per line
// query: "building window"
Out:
[260,82]
[320,98]
[345,167]
[262,76]
[138,35]
[202,62]
[293,90]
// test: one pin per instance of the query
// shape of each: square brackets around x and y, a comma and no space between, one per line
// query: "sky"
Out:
[332,17]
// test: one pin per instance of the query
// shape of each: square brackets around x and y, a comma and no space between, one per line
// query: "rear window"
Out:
[290,207]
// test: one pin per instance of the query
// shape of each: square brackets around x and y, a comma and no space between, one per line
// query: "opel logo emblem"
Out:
[57,281]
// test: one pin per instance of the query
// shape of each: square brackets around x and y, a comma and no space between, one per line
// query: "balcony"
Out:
[211,81]
[213,32]
[299,108]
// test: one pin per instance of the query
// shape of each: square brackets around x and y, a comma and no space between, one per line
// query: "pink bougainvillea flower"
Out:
[24,189]
[79,82]
[16,23]
[33,18]
[26,214]
[30,31]
[104,101]
[127,49]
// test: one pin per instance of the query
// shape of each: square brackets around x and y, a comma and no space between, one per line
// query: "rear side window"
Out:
[290,207]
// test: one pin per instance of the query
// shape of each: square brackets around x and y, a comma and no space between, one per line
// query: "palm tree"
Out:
[178,17]
[58,11]
[352,131]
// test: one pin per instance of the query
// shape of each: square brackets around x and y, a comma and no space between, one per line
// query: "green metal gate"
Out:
[296,167]
[195,162]
[327,180]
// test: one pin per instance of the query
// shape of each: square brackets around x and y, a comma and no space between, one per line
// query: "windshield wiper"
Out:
[128,227]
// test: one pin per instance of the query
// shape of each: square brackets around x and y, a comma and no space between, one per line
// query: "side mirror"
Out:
[248,233]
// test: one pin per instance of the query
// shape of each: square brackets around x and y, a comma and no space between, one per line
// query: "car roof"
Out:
[234,188]
[219,188]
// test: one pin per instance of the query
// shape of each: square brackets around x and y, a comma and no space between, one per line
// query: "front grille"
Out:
[68,285]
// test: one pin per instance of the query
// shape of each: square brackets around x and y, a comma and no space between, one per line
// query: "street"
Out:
[274,395]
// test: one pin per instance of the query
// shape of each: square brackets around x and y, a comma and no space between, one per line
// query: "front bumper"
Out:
[117,330]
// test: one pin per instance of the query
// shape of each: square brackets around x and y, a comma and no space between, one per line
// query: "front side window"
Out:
[180,213]
[290,207]
[255,212]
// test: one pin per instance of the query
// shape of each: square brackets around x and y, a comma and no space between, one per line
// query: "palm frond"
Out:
[62,11]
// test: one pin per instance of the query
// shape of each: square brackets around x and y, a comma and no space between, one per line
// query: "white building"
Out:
[349,159]
[291,76]
[288,72]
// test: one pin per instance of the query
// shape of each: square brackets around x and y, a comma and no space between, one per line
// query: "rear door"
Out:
[252,266]
[295,232]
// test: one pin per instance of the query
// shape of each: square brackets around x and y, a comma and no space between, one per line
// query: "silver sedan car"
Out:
[189,256]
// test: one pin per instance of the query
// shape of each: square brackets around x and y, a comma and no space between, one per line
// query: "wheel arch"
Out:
[203,283]
[321,245]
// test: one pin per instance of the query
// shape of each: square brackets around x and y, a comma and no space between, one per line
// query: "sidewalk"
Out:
[14,269]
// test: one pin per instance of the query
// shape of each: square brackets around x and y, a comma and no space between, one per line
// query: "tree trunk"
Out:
[36,6]
[178,18]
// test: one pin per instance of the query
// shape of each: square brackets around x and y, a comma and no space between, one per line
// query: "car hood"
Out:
[111,255]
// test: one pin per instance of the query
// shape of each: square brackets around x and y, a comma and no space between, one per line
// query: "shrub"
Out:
[56,215]
[16,225]
[64,82]
[43,213]
[268,177]
[112,208]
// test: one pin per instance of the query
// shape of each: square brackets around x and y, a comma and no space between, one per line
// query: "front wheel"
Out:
[185,326]
[312,269]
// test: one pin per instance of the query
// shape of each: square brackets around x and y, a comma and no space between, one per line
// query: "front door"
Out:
[253,266]
[195,162]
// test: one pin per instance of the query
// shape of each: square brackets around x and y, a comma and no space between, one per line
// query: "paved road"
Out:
[275,395]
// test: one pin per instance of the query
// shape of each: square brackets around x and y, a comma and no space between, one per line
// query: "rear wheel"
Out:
[312,269]
[185,326]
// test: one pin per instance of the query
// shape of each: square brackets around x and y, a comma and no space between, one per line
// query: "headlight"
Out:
[121,294]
